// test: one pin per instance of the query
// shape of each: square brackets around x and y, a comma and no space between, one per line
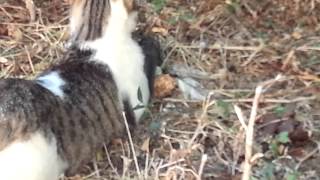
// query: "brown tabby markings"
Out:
[88,115]
[92,17]
[90,112]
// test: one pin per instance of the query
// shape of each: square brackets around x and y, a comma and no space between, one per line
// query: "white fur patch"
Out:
[123,55]
[33,159]
[52,82]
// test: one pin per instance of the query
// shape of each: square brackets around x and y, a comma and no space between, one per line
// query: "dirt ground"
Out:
[234,73]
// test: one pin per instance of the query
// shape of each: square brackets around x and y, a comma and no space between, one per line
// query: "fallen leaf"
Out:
[164,85]
[299,136]
[179,154]
[160,30]
[145,145]
[297,152]
[3,30]
[15,32]
[116,141]
[3,60]
[296,35]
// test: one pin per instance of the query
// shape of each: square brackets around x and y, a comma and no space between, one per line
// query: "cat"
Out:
[55,123]
[131,62]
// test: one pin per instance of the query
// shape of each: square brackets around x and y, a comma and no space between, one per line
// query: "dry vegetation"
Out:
[258,61]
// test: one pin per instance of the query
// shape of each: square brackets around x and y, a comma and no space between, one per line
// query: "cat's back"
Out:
[90,99]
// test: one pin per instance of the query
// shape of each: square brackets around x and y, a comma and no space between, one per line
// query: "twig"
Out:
[261,46]
[225,47]
[249,135]
[241,117]
[308,156]
[96,168]
[32,9]
[109,160]
[250,130]
[30,60]
[204,159]
[167,165]
[288,60]
[308,48]
[131,145]
[248,100]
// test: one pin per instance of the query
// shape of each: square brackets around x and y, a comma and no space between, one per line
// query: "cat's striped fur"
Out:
[89,18]
[88,114]
[131,67]
[56,123]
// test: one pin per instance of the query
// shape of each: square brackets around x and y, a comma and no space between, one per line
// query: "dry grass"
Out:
[239,45]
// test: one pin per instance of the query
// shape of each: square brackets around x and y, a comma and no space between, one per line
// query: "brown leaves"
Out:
[164,85]
[15,33]
[3,30]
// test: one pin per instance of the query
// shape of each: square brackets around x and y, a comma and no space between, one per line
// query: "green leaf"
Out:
[225,106]
[187,17]
[139,94]
[274,148]
[158,4]
[154,126]
[292,176]
[146,114]
[268,171]
[283,137]
[279,110]
[233,6]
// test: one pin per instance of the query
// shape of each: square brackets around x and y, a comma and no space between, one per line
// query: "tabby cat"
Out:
[132,67]
[57,122]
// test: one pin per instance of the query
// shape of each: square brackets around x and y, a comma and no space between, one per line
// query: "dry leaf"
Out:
[297,152]
[3,60]
[145,145]
[117,141]
[296,35]
[164,85]
[15,32]
[160,30]
[3,30]
[299,136]
[179,154]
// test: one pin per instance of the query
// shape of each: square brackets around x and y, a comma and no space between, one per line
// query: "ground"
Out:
[227,50]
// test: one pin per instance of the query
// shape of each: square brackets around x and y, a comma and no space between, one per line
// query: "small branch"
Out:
[241,117]
[309,155]
[308,48]
[250,129]
[30,60]
[250,135]
[32,9]
[131,145]
[225,47]
[204,159]
[248,100]
[109,161]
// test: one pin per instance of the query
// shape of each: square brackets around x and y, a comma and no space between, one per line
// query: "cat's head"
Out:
[89,19]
